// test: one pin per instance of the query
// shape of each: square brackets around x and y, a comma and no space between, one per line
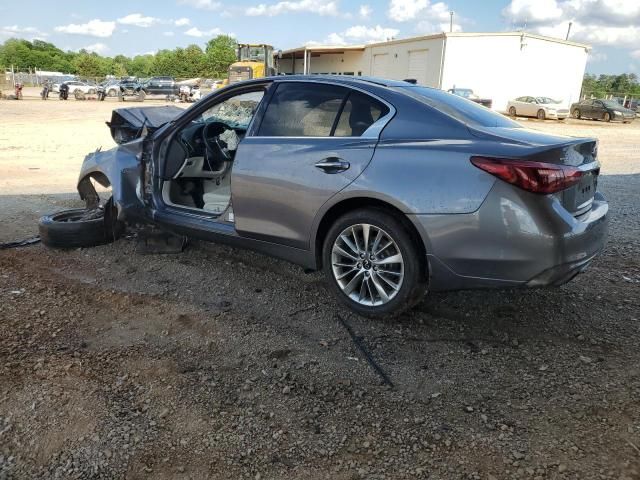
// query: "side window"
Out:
[359,113]
[302,110]
[235,112]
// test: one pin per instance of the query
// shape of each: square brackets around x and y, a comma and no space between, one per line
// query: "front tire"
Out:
[606,117]
[541,114]
[372,263]
[78,228]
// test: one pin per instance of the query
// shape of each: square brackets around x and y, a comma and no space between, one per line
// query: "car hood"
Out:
[127,124]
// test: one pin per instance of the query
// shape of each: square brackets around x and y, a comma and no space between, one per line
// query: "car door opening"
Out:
[198,159]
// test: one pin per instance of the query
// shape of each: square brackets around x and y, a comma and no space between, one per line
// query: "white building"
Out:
[500,66]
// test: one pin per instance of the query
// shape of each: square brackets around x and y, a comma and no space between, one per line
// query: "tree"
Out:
[622,85]
[119,70]
[88,65]
[220,53]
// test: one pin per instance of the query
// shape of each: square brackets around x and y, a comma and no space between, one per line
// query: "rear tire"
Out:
[512,111]
[412,279]
[577,114]
[79,227]
[541,114]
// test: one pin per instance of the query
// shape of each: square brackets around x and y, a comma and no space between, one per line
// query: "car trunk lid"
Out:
[571,152]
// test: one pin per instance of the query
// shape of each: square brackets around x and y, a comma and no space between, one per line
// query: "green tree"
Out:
[119,70]
[220,53]
[88,65]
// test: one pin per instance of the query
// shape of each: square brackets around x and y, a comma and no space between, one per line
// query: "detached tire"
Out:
[378,273]
[79,228]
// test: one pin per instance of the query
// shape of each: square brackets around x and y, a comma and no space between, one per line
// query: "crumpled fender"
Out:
[120,167]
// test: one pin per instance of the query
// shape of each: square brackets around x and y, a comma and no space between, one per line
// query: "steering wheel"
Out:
[216,148]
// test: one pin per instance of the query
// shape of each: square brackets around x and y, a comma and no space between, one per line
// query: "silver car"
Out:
[392,189]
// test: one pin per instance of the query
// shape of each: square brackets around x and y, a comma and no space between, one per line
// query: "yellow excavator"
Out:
[254,61]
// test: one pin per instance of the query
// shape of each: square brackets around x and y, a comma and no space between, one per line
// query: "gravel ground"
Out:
[221,363]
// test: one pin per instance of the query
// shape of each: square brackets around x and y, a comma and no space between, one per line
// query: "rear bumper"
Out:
[514,239]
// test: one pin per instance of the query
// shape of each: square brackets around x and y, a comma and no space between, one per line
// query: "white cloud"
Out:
[138,20]
[196,32]
[168,34]
[99,48]
[432,17]
[16,31]
[202,4]
[94,28]
[404,10]
[595,57]
[370,34]
[599,22]
[182,22]
[358,34]
[365,11]
[306,6]
[533,11]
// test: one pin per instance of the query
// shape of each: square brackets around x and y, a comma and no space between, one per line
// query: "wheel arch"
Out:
[86,189]
[344,205]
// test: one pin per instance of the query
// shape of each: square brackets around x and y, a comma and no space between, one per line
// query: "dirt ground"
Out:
[221,363]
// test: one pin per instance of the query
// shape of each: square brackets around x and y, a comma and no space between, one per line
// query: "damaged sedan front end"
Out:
[122,168]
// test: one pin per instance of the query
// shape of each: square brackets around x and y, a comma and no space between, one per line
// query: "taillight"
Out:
[536,177]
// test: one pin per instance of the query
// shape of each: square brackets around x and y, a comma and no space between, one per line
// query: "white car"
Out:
[77,85]
[539,107]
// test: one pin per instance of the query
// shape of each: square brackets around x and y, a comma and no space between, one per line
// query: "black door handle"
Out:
[333,165]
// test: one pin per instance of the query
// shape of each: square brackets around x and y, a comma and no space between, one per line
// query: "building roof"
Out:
[343,48]
[322,49]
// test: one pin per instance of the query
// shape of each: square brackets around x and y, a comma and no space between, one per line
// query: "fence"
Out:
[620,97]
[9,79]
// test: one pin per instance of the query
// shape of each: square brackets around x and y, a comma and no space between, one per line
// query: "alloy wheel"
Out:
[367,264]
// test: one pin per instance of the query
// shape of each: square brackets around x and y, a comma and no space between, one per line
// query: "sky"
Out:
[111,27]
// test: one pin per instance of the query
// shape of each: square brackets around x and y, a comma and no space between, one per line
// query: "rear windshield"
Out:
[459,108]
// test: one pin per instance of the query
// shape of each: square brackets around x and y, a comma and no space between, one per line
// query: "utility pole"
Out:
[451,21]
[568,31]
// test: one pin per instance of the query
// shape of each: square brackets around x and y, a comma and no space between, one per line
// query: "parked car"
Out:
[80,86]
[161,86]
[606,110]
[390,188]
[130,87]
[539,107]
[632,104]
[111,87]
[468,94]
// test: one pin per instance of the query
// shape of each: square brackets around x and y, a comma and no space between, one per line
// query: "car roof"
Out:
[348,79]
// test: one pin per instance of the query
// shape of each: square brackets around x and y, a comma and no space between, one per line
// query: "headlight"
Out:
[615,112]
[551,110]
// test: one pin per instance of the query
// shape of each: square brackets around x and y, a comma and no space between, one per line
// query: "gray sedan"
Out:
[392,189]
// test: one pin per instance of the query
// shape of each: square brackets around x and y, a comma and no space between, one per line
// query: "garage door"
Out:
[418,66]
[381,65]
